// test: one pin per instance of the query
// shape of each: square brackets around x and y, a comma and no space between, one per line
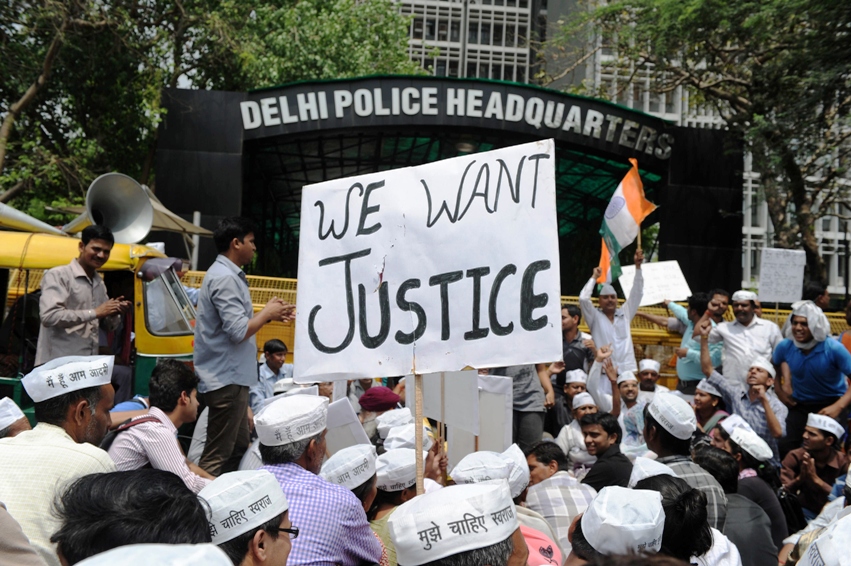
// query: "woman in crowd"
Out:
[708,407]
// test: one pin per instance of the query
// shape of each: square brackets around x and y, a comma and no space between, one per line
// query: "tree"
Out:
[777,71]
[82,79]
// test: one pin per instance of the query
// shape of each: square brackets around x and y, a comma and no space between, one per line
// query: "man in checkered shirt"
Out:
[332,523]
[669,423]
[553,492]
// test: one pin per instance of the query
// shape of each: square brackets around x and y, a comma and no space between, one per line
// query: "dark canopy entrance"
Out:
[251,154]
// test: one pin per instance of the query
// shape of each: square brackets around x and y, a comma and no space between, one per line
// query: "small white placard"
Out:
[662,280]
[460,406]
[781,275]
[344,427]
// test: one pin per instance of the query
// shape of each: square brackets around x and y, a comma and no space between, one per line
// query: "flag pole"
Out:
[639,237]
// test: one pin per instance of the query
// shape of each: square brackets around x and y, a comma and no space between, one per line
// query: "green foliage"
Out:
[777,71]
[99,108]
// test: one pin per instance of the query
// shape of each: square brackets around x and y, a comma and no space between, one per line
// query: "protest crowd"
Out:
[743,462]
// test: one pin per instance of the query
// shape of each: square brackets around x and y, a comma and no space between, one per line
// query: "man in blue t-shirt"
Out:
[814,370]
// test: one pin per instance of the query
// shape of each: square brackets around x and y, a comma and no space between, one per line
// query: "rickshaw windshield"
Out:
[168,310]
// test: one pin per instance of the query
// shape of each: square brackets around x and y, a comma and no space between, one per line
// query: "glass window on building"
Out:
[455,31]
[521,74]
[442,30]
[522,37]
[670,107]
[497,35]
[509,72]
[453,68]
[440,70]
[417,28]
[510,35]
[485,34]
[473,33]
[430,29]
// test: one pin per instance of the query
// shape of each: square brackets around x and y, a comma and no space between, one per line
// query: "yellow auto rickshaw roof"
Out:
[24,250]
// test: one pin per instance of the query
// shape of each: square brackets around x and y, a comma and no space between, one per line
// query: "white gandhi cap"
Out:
[242,501]
[404,437]
[394,418]
[673,414]
[290,419]
[452,520]
[823,422]
[160,554]
[519,477]
[576,376]
[707,387]
[743,295]
[582,399]
[482,466]
[9,413]
[66,374]
[644,365]
[624,521]
[831,547]
[350,467]
[644,468]
[733,422]
[750,442]
[396,470]
[626,376]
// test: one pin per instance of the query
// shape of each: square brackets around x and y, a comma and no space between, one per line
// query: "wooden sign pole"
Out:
[418,431]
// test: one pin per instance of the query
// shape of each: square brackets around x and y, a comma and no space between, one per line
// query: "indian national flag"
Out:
[622,221]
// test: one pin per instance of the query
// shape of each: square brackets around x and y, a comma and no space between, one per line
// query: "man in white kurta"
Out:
[746,338]
[38,465]
[610,324]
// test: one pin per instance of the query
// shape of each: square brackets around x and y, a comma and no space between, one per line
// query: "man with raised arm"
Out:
[610,324]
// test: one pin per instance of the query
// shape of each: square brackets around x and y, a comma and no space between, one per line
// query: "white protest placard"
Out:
[344,427]
[662,280]
[430,268]
[496,402]
[781,275]
[455,402]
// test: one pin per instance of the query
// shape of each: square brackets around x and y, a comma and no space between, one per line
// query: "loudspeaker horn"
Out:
[122,205]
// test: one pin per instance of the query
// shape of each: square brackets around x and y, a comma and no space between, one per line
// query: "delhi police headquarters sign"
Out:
[408,102]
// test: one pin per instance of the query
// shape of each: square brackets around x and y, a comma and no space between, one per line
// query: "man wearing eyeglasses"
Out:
[250,518]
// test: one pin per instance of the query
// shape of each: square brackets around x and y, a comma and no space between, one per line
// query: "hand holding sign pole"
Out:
[399,278]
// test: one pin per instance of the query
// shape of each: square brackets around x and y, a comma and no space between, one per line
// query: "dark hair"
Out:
[230,228]
[495,555]
[720,464]
[572,310]
[765,471]
[581,547]
[546,452]
[686,531]
[237,548]
[99,512]
[169,379]
[96,232]
[813,290]
[274,346]
[607,421]
[361,490]
[55,411]
[669,441]
[384,498]
[721,292]
[699,302]
[286,453]
[4,432]
[637,560]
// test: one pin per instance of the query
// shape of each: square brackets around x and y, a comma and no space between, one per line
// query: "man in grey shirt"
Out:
[533,395]
[225,347]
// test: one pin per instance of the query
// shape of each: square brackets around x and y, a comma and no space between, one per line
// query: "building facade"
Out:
[496,38]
